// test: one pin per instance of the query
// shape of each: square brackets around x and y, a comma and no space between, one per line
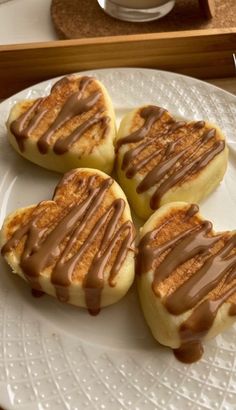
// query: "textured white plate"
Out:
[58,357]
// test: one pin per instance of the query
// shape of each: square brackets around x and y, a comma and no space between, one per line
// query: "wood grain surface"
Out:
[200,53]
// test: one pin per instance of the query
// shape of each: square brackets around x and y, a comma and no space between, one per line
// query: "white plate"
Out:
[58,357]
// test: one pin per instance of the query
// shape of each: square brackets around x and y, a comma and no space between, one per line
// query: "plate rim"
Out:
[147,69]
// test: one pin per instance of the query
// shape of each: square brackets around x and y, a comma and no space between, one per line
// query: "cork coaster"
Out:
[83,18]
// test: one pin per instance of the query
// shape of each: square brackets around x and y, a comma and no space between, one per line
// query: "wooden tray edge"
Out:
[172,35]
[198,53]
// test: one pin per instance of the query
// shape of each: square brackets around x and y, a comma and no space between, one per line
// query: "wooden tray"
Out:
[200,53]
[73,19]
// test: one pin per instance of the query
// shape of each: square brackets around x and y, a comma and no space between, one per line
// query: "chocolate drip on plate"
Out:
[197,326]
[189,352]
[37,293]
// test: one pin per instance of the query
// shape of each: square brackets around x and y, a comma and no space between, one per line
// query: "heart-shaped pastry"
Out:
[186,278]
[78,246]
[161,160]
[74,126]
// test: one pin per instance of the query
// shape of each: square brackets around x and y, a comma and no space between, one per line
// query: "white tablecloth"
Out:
[24,21]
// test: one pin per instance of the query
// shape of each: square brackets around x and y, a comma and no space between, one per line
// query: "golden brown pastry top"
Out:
[79,236]
[166,152]
[194,268]
[72,113]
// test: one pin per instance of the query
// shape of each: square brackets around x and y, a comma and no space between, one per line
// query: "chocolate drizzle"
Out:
[216,264]
[62,145]
[206,278]
[74,105]
[190,168]
[193,210]
[232,310]
[37,293]
[197,326]
[32,116]
[150,114]
[171,161]
[43,245]
[157,173]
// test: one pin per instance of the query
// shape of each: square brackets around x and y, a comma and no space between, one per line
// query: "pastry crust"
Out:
[79,246]
[181,300]
[151,176]
[78,120]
